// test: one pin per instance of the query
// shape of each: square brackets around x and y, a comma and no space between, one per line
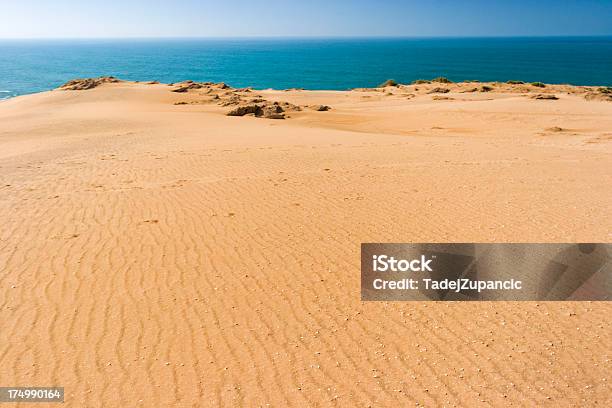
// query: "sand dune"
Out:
[156,252]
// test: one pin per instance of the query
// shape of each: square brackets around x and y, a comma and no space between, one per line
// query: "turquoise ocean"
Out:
[28,66]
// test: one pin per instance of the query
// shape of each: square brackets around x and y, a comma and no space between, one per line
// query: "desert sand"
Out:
[156,252]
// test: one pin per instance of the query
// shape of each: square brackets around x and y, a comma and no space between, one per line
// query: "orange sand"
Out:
[157,255]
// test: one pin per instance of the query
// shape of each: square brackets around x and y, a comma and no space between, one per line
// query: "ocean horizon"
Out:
[29,65]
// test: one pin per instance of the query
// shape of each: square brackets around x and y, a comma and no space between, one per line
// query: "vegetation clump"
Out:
[420,81]
[388,82]
[512,82]
[439,90]
[486,88]
[538,84]
[442,80]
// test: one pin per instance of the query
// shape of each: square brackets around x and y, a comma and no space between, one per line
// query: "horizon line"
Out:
[298,37]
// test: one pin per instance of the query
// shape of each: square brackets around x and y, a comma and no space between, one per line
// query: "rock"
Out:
[274,108]
[273,111]
[265,111]
[289,106]
[550,97]
[83,84]
[262,108]
[189,85]
[275,116]
[231,101]
[439,90]
[245,109]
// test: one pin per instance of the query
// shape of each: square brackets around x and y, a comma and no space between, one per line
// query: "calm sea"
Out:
[35,65]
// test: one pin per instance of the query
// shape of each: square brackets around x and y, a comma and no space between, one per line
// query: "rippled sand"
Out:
[154,254]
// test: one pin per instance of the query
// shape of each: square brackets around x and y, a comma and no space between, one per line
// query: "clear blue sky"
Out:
[245,18]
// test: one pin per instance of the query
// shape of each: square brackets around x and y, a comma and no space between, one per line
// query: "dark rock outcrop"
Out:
[549,97]
[245,110]
[83,84]
[188,86]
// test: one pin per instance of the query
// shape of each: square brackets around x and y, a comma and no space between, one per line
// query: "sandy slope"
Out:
[154,254]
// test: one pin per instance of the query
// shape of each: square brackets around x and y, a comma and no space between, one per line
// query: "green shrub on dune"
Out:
[538,84]
[442,80]
[512,82]
[388,82]
[420,81]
